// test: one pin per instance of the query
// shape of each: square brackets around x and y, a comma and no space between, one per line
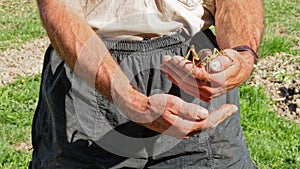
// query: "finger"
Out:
[181,66]
[181,72]
[215,79]
[198,93]
[170,124]
[213,119]
[201,74]
[174,124]
[192,90]
[180,63]
[219,115]
[213,92]
[177,59]
[172,80]
[175,76]
[167,71]
[166,58]
[193,112]
[181,127]
[198,88]
[206,93]
[173,60]
[187,83]
[219,64]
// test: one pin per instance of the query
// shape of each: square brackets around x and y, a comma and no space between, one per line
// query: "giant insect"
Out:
[204,58]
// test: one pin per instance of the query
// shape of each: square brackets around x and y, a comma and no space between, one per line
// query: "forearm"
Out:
[85,52]
[67,31]
[239,23]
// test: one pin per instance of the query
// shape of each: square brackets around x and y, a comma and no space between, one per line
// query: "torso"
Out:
[132,17]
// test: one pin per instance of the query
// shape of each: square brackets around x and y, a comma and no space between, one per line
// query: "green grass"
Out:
[19,22]
[18,101]
[282,25]
[272,142]
[277,44]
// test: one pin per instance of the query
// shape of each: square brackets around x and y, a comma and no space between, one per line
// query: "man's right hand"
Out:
[181,119]
[170,115]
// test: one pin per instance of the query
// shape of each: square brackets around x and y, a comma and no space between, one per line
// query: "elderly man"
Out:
[118,90]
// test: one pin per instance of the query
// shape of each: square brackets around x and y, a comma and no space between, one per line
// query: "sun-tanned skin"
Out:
[86,54]
[237,23]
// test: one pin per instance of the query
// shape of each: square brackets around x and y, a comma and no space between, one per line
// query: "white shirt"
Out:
[132,17]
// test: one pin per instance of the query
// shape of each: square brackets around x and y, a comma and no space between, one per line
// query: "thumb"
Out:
[219,115]
[219,64]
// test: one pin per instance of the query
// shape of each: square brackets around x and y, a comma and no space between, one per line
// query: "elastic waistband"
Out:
[115,44]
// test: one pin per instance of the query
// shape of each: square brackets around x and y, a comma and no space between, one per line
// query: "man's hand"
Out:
[171,115]
[223,73]
[181,119]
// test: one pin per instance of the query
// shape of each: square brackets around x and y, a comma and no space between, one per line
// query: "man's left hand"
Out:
[225,72]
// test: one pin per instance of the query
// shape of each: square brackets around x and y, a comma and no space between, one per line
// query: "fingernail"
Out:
[215,65]
[219,64]
[202,114]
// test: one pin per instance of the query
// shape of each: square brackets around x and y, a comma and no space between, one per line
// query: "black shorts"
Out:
[76,127]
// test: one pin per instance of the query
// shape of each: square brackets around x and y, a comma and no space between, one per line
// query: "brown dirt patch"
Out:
[22,61]
[280,75]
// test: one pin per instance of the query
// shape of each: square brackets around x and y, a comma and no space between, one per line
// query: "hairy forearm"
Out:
[84,51]
[239,23]
[67,31]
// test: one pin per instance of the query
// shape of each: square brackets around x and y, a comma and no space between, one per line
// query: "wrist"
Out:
[246,50]
[247,62]
[112,83]
[138,101]
[132,103]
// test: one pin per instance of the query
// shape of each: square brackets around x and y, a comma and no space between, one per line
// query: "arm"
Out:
[79,46]
[85,53]
[238,23]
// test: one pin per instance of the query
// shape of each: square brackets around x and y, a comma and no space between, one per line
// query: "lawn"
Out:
[272,142]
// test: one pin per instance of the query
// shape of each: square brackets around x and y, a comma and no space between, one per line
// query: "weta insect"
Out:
[206,56]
